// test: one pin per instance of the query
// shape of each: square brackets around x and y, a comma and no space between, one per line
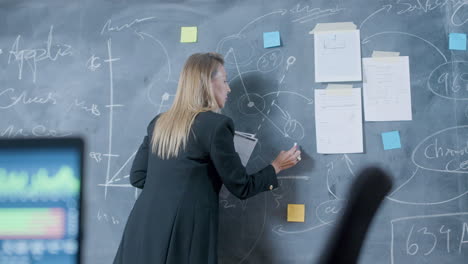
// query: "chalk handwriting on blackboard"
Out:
[405,6]
[109,28]
[102,216]
[92,64]
[328,211]
[413,248]
[422,234]
[9,98]
[32,56]
[312,13]
[452,156]
[447,84]
[10,132]
[96,156]
[42,131]
[36,131]
[92,109]
[270,60]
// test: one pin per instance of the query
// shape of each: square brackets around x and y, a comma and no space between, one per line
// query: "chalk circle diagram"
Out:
[267,113]
[250,100]
[160,93]
[441,159]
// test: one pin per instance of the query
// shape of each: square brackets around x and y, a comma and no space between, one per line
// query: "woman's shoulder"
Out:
[208,124]
[213,119]
[152,123]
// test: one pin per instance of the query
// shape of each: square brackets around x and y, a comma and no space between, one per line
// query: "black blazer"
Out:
[175,219]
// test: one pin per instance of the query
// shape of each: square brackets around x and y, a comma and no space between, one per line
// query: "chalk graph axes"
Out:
[111,106]
[113,181]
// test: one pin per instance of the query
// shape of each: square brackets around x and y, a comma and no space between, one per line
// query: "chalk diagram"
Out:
[441,153]
[435,156]
[241,59]
[246,72]
[156,90]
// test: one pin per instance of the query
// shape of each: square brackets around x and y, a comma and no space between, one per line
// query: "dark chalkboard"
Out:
[104,69]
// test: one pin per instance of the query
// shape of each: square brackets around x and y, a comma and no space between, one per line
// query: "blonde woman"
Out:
[181,164]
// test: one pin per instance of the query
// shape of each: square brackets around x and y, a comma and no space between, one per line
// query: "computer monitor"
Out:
[41,184]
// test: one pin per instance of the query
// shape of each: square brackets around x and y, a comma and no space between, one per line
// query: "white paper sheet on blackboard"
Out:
[338,121]
[386,89]
[337,56]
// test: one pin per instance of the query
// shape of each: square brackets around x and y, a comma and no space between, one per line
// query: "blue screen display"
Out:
[39,205]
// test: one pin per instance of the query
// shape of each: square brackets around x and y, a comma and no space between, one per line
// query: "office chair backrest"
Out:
[367,192]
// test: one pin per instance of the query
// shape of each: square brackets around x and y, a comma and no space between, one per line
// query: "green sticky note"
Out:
[188,34]
[391,140]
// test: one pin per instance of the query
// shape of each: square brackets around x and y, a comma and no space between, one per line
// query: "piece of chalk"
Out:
[295,144]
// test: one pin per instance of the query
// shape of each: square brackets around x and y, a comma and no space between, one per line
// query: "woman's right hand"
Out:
[287,159]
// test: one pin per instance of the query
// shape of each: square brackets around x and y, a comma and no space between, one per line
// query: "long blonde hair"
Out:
[194,95]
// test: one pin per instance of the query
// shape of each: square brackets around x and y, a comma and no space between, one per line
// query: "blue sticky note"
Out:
[457,41]
[391,140]
[271,39]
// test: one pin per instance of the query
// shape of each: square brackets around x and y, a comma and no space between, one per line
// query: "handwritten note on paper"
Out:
[271,39]
[296,213]
[244,144]
[386,88]
[391,140]
[188,34]
[337,56]
[338,121]
[457,41]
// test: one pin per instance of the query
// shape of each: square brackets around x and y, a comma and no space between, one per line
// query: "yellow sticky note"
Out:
[188,34]
[296,212]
